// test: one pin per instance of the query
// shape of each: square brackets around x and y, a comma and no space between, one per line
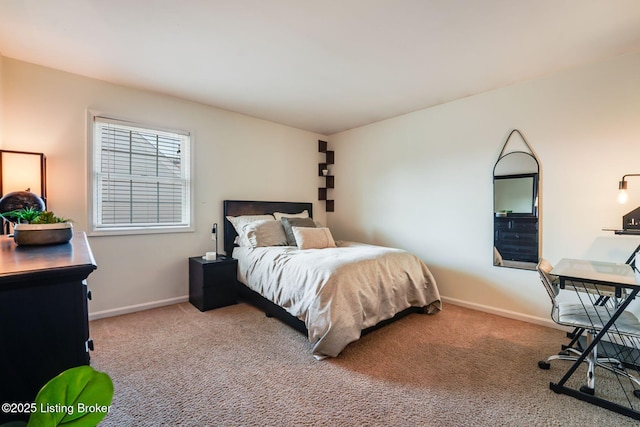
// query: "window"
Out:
[141,178]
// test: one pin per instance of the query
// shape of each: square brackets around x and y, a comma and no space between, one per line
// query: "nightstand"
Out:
[212,284]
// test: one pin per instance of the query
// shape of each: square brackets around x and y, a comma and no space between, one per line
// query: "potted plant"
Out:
[36,227]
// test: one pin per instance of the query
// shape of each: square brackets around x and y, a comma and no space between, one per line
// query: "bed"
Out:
[333,291]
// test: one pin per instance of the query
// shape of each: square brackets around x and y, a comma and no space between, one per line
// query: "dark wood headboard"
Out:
[245,207]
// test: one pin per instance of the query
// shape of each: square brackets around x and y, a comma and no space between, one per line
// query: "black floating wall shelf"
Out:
[329,180]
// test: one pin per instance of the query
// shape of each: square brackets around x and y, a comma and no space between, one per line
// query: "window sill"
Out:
[128,231]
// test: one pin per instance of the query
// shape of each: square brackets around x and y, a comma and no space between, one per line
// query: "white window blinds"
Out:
[141,176]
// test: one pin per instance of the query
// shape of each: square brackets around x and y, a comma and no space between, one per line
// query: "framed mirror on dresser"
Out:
[516,195]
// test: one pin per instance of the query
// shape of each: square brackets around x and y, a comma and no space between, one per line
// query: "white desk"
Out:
[607,275]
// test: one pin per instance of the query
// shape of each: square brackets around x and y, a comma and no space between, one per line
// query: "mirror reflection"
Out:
[515,193]
[515,203]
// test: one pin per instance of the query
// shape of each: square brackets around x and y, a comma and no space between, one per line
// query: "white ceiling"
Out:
[323,66]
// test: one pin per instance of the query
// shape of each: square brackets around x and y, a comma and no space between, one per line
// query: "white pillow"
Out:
[262,233]
[280,215]
[313,238]
[240,221]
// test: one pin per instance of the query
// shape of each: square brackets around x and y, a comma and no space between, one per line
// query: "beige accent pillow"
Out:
[280,215]
[263,233]
[313,238]
[289,223]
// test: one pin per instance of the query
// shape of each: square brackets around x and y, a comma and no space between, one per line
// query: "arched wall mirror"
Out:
[516,193]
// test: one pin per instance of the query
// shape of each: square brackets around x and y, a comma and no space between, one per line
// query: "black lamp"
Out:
[214,236]
[632,219]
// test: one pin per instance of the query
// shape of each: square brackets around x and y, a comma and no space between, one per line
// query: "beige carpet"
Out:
[176,366]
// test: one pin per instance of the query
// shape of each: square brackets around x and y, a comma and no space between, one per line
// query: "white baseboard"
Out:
[485,308]
[137,307]
[504,313]
[519,316]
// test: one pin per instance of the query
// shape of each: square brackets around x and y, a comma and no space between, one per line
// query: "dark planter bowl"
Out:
[42,234]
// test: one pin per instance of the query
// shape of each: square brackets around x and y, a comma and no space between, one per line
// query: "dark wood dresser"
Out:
[44,322]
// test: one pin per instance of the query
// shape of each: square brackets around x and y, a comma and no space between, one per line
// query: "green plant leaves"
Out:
[22,215]
[47,217]
[78,397]
[32,216]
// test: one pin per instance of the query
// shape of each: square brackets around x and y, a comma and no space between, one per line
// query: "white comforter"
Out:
[338,292]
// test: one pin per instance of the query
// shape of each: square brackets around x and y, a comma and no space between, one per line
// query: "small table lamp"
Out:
[23,181]
[212,256]
[23,171]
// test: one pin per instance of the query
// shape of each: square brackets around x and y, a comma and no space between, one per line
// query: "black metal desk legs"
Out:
[633,410]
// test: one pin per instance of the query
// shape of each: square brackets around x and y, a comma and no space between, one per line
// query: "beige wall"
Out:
[236,157]
[423,181]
